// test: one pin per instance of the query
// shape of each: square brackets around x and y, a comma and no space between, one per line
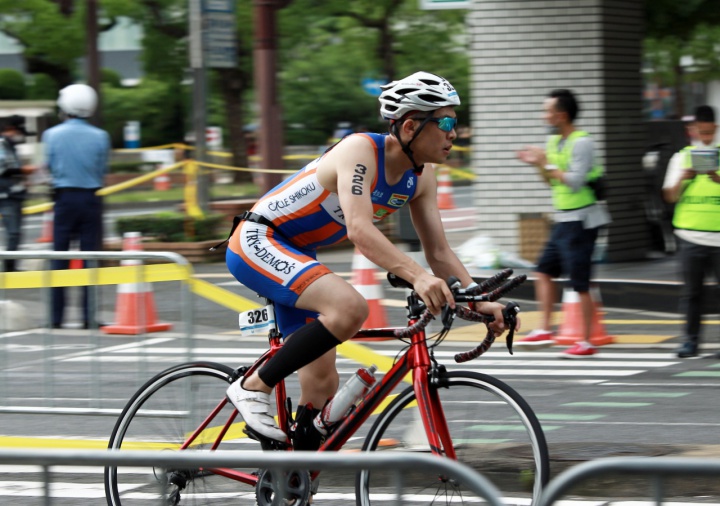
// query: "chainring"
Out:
[296,486]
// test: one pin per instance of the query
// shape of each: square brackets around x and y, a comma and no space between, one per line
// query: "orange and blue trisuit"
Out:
[278,260]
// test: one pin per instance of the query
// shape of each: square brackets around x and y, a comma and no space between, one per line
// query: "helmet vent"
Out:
[431,98]
[430,82]
[404,92]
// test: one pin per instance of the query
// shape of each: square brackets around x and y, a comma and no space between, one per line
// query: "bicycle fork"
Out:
[426,382]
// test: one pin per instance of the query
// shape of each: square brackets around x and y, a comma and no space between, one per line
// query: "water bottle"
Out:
[343,401]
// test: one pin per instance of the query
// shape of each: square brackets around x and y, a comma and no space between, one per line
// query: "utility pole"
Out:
[93,56]
[199,96]
[270,140]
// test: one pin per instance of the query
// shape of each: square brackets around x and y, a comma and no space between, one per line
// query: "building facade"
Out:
[522,49]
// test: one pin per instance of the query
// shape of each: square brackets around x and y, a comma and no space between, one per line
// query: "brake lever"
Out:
[448,316]
[510,317]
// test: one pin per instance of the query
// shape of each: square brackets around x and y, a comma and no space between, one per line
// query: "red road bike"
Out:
[464,415]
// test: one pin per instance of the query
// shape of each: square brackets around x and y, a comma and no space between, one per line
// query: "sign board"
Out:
[131,134]
[213,137]
[372,86]
[219,34]
[444,4]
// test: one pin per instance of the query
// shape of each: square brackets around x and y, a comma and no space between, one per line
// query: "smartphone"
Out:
[705,160]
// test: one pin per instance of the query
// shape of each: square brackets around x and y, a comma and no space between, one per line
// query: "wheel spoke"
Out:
[493,431]
[161,416]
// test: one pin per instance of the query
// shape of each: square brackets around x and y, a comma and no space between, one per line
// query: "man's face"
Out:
[705,132]
[434,143]
[553,117]
[15,135]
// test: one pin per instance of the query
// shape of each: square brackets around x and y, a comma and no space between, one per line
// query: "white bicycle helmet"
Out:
[78,100]
[421,91]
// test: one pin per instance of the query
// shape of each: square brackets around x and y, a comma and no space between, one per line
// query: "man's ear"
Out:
[408,126]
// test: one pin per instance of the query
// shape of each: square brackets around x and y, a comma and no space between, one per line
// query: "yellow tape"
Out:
[463,174]
[56,443]
[366,356]
[138,180]
[99,276]
[192,206]
[221,296]
[242,169]
[38,208]
[132,150]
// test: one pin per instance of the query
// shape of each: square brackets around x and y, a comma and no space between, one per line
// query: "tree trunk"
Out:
[232,87]
[385,50]
[63,76]
[679,94]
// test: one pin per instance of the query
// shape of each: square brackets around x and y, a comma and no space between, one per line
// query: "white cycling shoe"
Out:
[253,407]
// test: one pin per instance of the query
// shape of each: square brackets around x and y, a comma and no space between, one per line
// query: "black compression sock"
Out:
[306,344]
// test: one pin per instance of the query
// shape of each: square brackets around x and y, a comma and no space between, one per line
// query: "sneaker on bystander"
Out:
[581,349]
[535,339]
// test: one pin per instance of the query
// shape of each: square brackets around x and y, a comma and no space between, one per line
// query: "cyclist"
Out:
[356,182]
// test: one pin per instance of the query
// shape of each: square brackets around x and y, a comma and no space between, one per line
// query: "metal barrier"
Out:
[393,463]
[657,467]
[45,368]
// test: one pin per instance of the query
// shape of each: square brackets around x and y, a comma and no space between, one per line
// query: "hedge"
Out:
[171,226]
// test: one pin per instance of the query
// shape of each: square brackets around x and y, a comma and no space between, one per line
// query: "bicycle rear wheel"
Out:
[493,430]
[161,416]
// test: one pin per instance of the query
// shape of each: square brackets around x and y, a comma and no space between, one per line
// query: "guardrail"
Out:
[658,468]
[394,464]
[178,269]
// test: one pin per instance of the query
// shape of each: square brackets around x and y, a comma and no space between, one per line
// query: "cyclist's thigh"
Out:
[274,268]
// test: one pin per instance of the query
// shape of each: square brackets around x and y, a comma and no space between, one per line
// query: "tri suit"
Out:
[278,257]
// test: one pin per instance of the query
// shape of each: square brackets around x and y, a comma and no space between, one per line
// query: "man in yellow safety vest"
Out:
[568,166]
[693,182]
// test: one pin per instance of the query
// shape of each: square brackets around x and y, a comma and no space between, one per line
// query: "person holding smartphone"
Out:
[695,189]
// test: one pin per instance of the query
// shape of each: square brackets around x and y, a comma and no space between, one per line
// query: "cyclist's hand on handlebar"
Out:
[496,309]
[434,292]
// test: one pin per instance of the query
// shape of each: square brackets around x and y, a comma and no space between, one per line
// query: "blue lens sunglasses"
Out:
[446,123]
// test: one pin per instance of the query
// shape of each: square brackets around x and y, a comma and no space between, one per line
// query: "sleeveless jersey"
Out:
[310,216]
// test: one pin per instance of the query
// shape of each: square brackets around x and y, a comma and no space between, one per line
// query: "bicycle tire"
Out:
[159,416]
[515,460]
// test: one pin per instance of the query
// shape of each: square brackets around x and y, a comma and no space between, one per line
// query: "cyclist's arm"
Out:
[426,219]
[440,257]
[356,169]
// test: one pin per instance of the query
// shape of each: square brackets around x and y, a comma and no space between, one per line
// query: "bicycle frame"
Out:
[415,359]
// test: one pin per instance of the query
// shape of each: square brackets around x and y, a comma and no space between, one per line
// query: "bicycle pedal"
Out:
[266,443]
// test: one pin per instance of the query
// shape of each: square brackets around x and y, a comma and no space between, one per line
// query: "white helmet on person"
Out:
[78,100]
[421,91]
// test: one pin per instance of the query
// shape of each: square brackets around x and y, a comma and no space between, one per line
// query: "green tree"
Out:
[329,47]
[51,33]
[12,85]
[165,56]
[42,87]
[677,29]
[146,103]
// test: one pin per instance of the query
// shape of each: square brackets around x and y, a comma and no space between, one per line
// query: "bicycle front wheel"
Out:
[161,416]
[493,430]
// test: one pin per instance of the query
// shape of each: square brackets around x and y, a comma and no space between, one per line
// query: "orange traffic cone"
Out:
[444,191]
[162,183]
[47,227]
[571,328]
[364,281]
[76,263]
[135,307]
